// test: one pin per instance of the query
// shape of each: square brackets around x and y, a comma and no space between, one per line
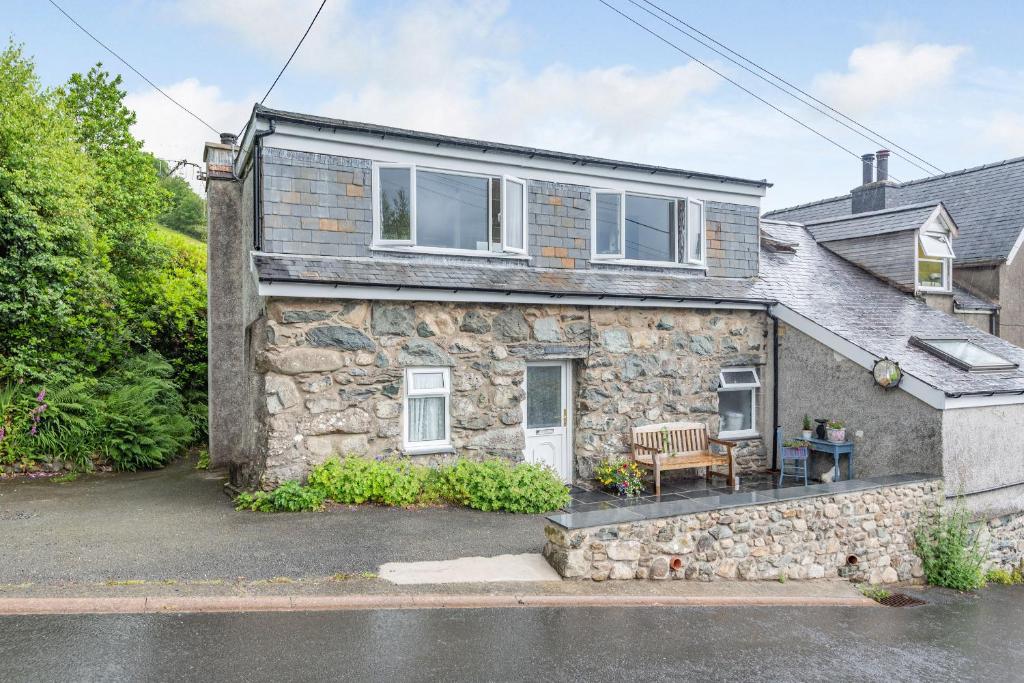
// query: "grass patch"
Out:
[1005,577]
[874,592]
[367,575]
[65,478]
[127,582]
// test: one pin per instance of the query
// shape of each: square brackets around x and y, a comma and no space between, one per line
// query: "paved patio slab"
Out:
[526,567]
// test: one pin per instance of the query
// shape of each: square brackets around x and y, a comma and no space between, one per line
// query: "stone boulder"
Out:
[420,352]
[339,337]
[397,320]
[300,360]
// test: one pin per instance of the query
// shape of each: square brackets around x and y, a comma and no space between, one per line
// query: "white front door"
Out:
[548,420]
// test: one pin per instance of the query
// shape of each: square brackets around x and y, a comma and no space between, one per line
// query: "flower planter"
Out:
[836,435]
[794,452]
[807,434]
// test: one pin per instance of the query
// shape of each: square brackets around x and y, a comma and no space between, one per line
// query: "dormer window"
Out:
[449,211]
[647,229]
[934,261]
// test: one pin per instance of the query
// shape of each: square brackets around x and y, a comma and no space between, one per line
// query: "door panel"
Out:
[548,432]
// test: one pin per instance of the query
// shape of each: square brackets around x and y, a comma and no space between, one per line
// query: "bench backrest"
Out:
[683,437]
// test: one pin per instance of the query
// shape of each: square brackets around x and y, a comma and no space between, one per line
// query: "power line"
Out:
[303,38]
[787,83]
[139,73]
[735,83]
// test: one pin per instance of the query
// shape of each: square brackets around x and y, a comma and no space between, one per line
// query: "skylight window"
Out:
[964,354]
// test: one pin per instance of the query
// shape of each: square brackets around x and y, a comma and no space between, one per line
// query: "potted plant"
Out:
[794,448]
[621,477]
[808,432]
[836,431]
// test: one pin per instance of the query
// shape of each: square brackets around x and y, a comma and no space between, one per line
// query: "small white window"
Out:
[651,229]
[737,402]
[427,425]
[446,211]
[933,274]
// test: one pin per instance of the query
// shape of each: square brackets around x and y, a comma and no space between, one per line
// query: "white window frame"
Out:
[377,212]
[688,242]
[505,180]
[946,283]
[411,244]
[752,387]
[695,237]
[443,392]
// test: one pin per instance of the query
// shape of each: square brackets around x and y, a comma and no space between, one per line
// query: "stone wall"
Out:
[317,204]
[809,538]
[733,239]
[333,372]
[1003,537]
[559,225]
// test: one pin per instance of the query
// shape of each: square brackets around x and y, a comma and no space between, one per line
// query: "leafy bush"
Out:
[489,485]
[1004,577]
[142,424]
[291,496]
[500,485]
[950,551]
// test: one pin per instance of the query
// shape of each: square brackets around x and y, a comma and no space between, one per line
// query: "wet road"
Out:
[954,638]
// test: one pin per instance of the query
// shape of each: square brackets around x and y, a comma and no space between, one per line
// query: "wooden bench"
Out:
[679,445]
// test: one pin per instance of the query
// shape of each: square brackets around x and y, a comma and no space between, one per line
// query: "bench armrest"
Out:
[729,445]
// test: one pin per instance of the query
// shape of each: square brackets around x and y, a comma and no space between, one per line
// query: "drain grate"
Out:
[900,600]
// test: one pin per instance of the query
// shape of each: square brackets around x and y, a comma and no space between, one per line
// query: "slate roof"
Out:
[530,152]
[863,310]
[969,301]
[811,281]
[987,203]
[438,274]
[870,223]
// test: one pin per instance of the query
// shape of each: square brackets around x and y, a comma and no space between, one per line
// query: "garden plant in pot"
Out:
[808,432]
[794,448]
[836,431]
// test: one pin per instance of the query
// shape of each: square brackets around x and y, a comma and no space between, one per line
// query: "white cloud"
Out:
[170,133]
[888,74]
[1005,131]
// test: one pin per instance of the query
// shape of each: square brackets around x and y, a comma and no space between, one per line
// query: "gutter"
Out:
[257,180]
[508,292]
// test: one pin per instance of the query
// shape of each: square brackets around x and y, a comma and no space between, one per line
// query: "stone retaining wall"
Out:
[807,538]
[333,372]
[1004,539]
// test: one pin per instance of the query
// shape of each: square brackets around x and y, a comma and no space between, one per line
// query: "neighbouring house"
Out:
[984,285]
[391,292]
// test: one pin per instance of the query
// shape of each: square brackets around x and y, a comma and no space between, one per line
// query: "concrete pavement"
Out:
[177,524]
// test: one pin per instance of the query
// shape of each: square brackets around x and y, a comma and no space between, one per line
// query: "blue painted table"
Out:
[836,449]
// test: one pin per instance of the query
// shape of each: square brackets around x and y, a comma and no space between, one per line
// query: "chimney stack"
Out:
[883,165]
[228,138]
[868,168]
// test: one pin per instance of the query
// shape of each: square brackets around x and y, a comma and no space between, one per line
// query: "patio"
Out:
[676,489]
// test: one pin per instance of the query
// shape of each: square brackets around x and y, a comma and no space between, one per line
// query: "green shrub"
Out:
[1005,577]
[291,496]
[142,424]
[489,485]
[950,551]
[499,485]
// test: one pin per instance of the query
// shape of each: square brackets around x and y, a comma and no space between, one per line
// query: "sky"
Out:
[945,80]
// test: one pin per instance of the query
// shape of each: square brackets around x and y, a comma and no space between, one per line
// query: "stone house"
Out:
[391,292]
[985,284]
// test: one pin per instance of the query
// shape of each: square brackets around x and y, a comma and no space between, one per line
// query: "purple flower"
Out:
[41,395]
[32,431]
[3,433]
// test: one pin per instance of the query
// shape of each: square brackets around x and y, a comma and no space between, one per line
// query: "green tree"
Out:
[186,210]
[128,194]
[58,303]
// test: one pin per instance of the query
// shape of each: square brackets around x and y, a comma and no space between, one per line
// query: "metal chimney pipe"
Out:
[228,138]
[868,166]
[883,165]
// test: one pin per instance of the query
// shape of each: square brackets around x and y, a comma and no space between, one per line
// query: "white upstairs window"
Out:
[647,229]
[449,211]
